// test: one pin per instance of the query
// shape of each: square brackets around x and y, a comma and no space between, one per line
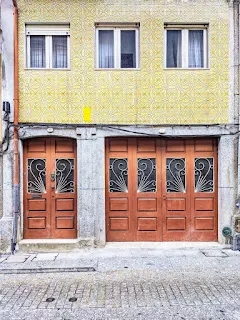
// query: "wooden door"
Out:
[204,186]
[146,201]
[119,219]
[161,189]
[50,203]
[176,194]
[133,202]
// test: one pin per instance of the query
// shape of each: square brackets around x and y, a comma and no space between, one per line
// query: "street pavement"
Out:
[123,281]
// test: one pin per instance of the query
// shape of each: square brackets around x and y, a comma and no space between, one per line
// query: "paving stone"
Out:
[214,253]
[16,259]
[45,257]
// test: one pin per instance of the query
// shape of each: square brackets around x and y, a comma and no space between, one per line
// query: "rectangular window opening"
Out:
[186,46]
[117,46]
[47,46]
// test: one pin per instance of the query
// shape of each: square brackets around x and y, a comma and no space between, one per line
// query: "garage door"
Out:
[161,189]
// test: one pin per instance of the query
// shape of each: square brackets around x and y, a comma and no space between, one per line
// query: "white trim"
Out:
[47,30]
[48,51]
[185,34]
[117,44]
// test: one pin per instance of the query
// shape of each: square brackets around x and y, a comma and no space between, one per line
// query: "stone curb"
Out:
[46,270]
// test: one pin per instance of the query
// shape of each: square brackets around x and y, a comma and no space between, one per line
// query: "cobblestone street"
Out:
[184,285]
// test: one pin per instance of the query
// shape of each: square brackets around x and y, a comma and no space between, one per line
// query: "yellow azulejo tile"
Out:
[150,95]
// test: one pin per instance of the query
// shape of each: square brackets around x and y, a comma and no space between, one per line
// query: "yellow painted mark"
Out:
[87,114]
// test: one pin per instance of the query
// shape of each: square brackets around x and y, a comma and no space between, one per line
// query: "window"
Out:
[48,46]
[186,46]
[117,46]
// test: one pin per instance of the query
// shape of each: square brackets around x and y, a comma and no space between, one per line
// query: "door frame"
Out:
[21,173]
[190,153]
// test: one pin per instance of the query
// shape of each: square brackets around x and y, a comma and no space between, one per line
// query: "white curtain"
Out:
[37,52]
[59,46]
[174,49]
[106,49]
[195,49]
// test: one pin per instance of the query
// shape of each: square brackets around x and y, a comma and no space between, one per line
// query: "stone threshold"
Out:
[44,245]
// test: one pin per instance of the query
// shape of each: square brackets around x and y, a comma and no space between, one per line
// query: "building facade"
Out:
[128,121]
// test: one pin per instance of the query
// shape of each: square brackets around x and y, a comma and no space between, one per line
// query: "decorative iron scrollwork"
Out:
[118,175]
[64,175]
[204,175]
[36,175]
[175,175]
[146,169]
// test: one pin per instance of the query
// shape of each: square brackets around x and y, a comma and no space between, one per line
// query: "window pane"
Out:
[64,175]
[37,52]
[174,49]
[128,49]
[106,49]
[118,175]
[175,175]
[195,49]
[204,181]
[59,47]
[36,175]
[146,171]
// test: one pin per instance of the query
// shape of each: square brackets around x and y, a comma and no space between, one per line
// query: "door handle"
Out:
[164,197]
[52,176]
[52,187]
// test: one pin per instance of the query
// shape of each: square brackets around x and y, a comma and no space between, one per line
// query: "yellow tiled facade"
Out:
[150,95]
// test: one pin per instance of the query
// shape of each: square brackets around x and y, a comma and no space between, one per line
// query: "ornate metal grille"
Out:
[204,175]
[64,175]
[36,175]
[146,169]
[175,175]
[118,175]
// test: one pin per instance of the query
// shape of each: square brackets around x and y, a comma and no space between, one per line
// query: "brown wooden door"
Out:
[161,189]
[50,203]
[146,199]
[204,218]
[176,175]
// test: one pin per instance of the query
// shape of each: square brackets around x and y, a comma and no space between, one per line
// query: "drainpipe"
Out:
[16,112]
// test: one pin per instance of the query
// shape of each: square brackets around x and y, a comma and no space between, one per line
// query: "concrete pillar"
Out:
[227,182]
[91,194]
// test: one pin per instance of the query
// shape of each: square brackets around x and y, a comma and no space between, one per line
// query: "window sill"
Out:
[186,69]
[50,69]
[117,69]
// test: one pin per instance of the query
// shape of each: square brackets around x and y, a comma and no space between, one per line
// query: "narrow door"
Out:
[146,199]
[176,190]
[50,188]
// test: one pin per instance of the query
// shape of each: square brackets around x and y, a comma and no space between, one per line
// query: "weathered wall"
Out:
[7,95]
[151,95]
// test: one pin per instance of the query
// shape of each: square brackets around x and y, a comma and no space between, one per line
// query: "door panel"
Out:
[119,190]
[146,201]
[169,192]
[204,190]
[50,188]
[176,190]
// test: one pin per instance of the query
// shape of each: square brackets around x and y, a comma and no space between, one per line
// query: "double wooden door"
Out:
[161,189]
[50,203]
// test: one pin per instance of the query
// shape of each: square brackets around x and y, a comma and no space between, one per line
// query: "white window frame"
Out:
[184,54]
[117,43]
[47,30]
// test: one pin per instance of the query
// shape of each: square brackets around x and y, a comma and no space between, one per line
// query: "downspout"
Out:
[16,154]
